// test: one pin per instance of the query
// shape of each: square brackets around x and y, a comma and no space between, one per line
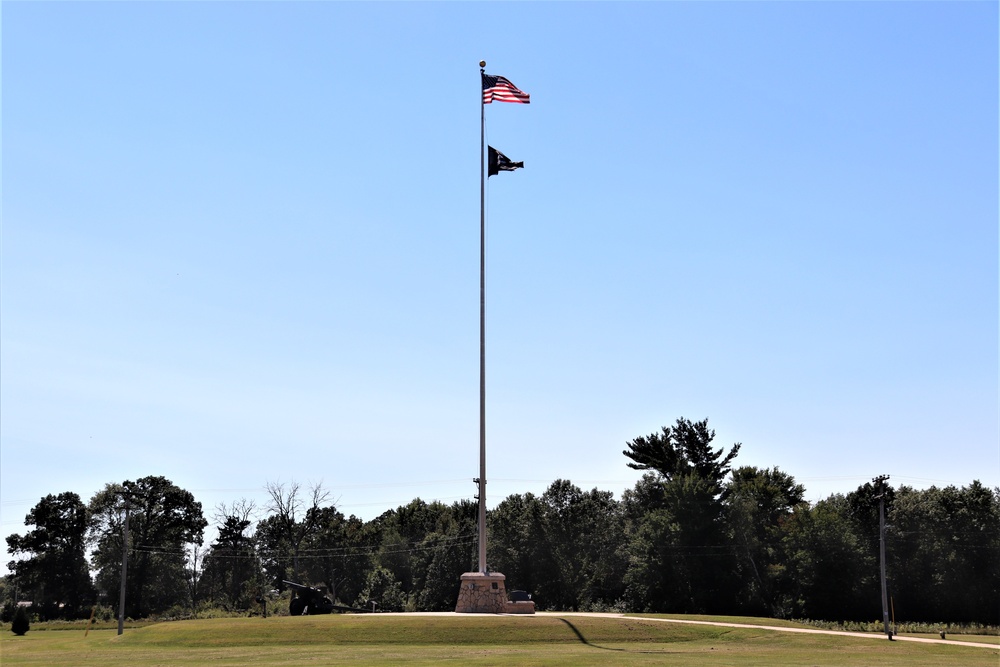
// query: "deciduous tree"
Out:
[293,517]
[758,504]
[163,519]
[232,572]
[828,565]
[52,570]
[338,553]
[944,553]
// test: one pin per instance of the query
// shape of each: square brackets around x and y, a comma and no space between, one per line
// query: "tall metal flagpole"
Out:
[482,326]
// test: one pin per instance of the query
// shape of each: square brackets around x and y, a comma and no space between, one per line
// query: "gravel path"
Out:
[814,631]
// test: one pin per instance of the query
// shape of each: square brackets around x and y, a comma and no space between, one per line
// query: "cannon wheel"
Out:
[296,606]
[322,606]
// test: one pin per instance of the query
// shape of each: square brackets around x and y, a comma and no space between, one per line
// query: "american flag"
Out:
[500,89]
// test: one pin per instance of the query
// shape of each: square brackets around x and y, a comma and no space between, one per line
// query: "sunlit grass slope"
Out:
[468,640]
[418,630]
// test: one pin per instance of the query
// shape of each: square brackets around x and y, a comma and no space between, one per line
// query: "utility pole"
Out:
[121,596]
[880,486]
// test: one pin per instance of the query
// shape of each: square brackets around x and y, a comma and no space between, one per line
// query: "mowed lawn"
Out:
[416,639]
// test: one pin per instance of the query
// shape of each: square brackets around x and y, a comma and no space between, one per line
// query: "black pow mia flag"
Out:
[500,162]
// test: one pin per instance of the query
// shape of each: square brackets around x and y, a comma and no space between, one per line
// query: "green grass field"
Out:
[543,639]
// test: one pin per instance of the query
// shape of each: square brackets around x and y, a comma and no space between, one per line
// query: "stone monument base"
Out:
[485,593]
[482,593]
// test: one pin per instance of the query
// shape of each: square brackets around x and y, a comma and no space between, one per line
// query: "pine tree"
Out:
[19,625]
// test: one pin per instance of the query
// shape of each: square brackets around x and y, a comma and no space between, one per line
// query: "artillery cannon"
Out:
[308,600]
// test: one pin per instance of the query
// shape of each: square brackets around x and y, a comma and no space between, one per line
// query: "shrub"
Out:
[19,625]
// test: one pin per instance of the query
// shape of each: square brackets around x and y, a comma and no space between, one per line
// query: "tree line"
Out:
[694,535]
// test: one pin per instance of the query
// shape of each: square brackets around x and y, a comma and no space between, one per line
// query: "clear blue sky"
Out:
[240,244]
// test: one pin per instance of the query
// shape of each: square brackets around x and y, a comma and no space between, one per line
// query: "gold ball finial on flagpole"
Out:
[482,63]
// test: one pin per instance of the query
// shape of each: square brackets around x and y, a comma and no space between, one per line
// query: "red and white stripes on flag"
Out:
[502,90]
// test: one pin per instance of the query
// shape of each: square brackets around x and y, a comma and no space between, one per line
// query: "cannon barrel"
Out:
[300,587]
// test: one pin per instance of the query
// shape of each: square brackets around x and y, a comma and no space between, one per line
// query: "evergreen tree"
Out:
[682,451]
[685,537]
[20,625]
